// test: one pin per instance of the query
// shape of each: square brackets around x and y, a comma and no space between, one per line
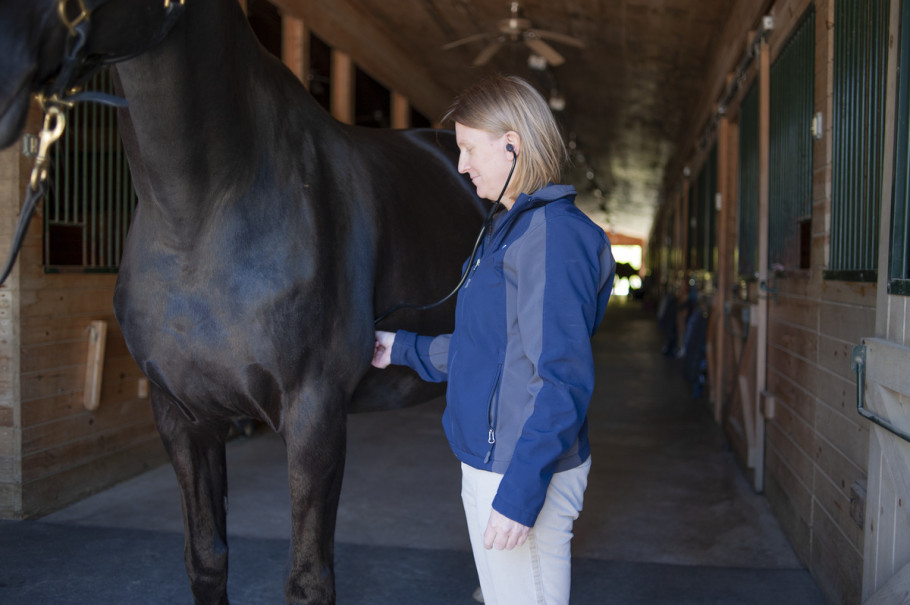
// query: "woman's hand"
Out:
[503,533]
[382,351]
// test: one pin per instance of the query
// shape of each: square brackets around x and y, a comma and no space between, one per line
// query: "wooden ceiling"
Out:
[631,94]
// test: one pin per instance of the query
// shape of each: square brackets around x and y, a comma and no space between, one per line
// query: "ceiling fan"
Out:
[514,29]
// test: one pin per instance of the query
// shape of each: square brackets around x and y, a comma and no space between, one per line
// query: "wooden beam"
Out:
[347,27]
[764,194]
[342,91]
[723,265]
[401,111]
[295,47]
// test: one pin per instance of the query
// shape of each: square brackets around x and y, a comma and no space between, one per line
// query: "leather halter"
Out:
[60,93]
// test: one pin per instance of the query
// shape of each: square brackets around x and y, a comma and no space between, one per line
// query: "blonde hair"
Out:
[500,104]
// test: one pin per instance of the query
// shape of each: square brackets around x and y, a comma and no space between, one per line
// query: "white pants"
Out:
[539,571]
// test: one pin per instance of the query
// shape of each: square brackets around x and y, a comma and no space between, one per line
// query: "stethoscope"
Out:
[467,269]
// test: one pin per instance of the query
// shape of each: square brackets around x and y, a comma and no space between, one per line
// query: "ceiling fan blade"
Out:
[487,53]
[557,37]
[545,50]
[452,45]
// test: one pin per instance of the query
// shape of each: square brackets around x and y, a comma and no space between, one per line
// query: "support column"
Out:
[342,101]
[723,265]
[757,446]
[295,47]
[401,111]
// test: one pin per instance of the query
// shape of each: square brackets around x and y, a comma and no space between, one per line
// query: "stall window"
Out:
[860,58]
[90,202]
[747,240]
[792,106]
[703,216]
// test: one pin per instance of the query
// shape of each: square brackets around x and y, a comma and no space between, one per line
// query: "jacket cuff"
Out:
[519,514]
[404,341]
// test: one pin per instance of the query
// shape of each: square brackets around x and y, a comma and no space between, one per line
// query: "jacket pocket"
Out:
[492,411]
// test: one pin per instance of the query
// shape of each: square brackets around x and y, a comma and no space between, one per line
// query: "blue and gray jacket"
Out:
[519,365]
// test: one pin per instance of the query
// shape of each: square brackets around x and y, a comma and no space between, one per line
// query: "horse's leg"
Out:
[315,438]
[197,454]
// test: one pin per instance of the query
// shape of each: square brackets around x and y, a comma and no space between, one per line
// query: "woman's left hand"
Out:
[503,533]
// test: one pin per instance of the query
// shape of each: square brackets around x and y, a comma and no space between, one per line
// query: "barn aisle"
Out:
[669,518]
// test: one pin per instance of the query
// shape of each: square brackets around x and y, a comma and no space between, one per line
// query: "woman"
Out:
[519,365]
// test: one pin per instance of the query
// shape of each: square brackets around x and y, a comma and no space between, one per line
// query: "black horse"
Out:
[266,239]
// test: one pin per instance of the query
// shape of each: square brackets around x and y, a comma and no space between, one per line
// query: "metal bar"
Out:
[858,365]
[837,145]
[68,146]
[900,253]
[120,188]
[109,188]
[879,49]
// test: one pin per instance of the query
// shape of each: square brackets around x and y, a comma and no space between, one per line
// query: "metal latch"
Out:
[858,365]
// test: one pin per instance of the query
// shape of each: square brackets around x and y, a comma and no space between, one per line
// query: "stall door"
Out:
[883,392]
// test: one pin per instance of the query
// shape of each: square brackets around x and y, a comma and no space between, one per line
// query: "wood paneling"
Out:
[60,452]
[836,565]
[789,499]
[56,491]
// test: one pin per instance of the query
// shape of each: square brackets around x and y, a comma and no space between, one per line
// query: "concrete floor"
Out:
[668,518]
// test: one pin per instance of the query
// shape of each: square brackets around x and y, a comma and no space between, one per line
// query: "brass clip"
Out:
[82,16]
[54,123]
[167,3]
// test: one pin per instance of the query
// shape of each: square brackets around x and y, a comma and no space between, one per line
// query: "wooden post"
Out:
[757,446]
[686,227]
[295,46]
[342,101]
[401,111]
[723,265]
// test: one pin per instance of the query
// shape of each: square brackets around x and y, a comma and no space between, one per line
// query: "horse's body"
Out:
[266,239]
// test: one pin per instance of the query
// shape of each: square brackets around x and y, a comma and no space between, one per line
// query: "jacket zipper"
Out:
[491,414]
[473,269]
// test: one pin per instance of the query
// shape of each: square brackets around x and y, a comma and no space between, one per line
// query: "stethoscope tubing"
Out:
[486,223]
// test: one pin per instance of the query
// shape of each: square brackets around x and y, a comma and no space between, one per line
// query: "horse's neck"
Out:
[189,128]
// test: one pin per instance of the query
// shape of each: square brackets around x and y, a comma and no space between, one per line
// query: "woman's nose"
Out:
[462,165]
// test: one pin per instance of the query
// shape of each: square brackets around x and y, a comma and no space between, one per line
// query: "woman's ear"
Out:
[513,141]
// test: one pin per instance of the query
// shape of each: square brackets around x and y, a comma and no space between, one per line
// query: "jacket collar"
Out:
[547,194]
[525,202]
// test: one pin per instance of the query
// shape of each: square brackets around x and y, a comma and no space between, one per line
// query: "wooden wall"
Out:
[52,450]
[10,457]
[816,444]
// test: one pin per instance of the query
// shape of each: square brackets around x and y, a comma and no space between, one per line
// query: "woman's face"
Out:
[486,160]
